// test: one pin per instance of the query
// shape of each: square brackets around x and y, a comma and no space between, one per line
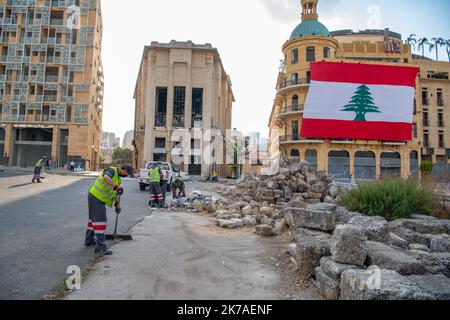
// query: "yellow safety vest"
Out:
[102,191]
[39,164]
[154,175]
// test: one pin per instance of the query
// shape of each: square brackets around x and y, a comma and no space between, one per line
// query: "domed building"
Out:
[347,160]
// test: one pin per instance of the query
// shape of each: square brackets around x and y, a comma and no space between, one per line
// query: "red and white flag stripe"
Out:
[334,85]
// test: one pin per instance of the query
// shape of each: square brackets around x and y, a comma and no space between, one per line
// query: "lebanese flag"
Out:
[360,101]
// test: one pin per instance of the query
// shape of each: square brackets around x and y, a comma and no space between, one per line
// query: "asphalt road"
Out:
[42,230]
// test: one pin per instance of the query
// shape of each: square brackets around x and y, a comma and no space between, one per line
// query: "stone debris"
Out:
[349,245]
[390,285]
[341,252]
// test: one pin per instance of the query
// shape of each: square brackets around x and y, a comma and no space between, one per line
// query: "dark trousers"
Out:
[37,174]
[156,194]
[97,223]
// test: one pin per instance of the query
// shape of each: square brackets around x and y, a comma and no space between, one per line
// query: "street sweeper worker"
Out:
[104,192]
[38,168]
[156,195]
[178,186]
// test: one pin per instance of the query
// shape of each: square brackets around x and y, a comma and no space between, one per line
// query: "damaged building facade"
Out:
[361,159]
[51,82]
[182,89]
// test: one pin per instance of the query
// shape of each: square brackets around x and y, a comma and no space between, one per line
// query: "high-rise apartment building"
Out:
[51,81]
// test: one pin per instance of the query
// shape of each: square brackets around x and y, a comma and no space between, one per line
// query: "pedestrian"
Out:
[164,183]
[38,168]
[103,192]
[156,196]
[72,166]
[178,186]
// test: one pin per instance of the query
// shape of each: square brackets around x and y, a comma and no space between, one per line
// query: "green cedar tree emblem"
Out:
[362,103]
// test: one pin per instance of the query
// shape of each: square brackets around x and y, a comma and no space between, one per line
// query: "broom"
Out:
[115,236]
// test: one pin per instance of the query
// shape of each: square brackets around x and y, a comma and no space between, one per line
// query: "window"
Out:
[295,56]
[308,77]
[441,140]
[426,121]
[295,130]
[440,99]
[326,53]
[197,108]
[179,106]
[295,103]
[425,96]
[440,119]
[426,140]
[294,78]
[415,130]
[310,54]
[161,107]
[160,143]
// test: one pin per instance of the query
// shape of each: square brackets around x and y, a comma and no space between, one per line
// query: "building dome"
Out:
[310,28]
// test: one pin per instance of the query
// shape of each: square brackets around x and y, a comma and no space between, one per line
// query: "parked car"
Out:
[168,170]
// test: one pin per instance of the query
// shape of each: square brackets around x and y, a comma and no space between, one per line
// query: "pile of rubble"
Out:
[260,200]
[350,256]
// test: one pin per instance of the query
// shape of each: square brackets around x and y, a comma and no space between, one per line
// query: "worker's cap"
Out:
[130,170]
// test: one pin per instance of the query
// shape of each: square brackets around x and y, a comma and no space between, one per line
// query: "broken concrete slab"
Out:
[328,287]
[309,252]
[436,285]
[440,245]
[348,245]
[335,269]
[313,219]
[376,228]
[386,257]
[380,285]
[265,231]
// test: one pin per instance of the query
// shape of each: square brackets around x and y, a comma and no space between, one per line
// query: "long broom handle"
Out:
[117,220]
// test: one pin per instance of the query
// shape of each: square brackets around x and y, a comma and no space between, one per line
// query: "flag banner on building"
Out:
[360,101]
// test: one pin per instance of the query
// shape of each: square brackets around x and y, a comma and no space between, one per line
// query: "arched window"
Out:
[365,165]
[391,164]
[295,153]
[339,164]
[294,56]
[311,157]
[326,53]
[294,78]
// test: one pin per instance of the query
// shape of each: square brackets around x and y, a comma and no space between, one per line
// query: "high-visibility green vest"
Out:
[154,175]
[102,191]
[40,163]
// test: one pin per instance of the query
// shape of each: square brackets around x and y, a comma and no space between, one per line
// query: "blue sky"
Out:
[249,35]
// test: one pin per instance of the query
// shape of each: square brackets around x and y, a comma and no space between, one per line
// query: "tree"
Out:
[421,45]
[122,156]
[412,40]
[436,43]
[447,47]
[362,103]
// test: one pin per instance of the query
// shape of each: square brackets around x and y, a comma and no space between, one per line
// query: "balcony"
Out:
[56,22]
[290,110]
[50,98]
[178,120]
[294,83]
[51,78]
[294,139]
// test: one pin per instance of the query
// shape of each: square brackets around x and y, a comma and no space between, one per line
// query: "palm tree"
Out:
[412,40]
[421,45]
[435,44]
[447,47]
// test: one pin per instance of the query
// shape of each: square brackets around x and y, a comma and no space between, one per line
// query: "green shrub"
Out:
[392,199]
[426,167]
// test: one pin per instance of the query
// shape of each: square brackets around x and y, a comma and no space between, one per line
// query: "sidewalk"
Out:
[59,171]
[184,256]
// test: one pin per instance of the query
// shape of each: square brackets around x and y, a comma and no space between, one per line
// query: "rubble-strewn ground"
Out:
[179,255]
